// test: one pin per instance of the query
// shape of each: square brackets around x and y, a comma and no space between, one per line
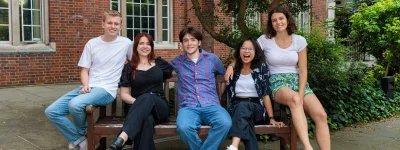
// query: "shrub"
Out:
[348,90]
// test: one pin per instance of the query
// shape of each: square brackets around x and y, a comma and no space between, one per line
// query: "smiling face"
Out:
[247,52]
[144,46]
[190,44]
[279,22]
[112,25]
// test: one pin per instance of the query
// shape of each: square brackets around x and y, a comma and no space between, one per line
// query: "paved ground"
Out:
[23,125]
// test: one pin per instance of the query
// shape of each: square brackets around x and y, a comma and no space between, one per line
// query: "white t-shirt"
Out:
[105,61]
[245,86]
[281,60]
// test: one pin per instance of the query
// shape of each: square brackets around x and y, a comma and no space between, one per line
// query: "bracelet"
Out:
[271,118]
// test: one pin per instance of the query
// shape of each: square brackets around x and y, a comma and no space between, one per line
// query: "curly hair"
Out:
[291,25]
[259,57]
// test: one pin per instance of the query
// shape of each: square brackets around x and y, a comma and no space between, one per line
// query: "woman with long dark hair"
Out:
[142,88]
[249,95]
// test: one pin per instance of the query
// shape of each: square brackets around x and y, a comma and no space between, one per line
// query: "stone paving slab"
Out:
[23,125]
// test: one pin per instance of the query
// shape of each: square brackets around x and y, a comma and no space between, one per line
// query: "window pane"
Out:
[4,33]
[165,2]
[129,1]
[36,4]
[136,32]
[28,33]
[36,17]
[136,10]
[129,22]
[152,23]
[136,22]
[3,16]
[36,34]
[26,3]
[130,34]
[137,1]
[151,1]
[3,3]
[27,17]
[165,35]
[165,23]
[144,10]
[129,9]
[151,10]
[164,11]
[151,32]
[144,1]
[115,6]
[145,22]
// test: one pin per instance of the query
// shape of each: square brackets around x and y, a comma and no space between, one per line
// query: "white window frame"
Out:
[254,18]
[15,43]
[158,43]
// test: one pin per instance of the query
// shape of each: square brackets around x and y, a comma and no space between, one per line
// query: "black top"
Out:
[147,81]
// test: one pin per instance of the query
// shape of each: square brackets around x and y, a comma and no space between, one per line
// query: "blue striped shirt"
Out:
[196,81]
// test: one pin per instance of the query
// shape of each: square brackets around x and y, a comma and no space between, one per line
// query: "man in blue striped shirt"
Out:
[197,94]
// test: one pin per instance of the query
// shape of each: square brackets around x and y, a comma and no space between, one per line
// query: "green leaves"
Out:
[349,90]
[377,27]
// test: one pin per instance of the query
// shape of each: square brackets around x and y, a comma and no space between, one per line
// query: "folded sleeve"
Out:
[126,76]
[165,66]
[265,79]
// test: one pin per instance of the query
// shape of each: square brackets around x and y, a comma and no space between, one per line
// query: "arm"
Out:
[229,71]
[219,67]
[85,80]
[270,112]
[302,64]
[126,95]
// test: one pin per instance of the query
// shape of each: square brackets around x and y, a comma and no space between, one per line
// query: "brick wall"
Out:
[319,12]
[73,23]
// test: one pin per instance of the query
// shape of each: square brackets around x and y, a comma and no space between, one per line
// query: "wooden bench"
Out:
[102,124]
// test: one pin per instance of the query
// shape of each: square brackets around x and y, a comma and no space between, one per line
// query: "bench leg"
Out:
[103,143]
[293,138]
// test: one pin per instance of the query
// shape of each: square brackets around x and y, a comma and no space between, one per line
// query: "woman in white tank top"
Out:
[286,57]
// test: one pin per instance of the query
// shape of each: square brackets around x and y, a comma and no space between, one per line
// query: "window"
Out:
[151,16]
[4,21]
[23,22]
[252,19]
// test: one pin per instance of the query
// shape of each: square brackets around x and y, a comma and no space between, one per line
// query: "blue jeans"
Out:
[75,104]
[190,119]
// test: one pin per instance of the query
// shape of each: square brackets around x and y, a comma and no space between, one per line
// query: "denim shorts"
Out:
[289,80]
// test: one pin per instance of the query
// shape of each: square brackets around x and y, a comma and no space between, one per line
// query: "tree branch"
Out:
[208,21]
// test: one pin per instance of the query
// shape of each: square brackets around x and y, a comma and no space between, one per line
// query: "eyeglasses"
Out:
[246,49]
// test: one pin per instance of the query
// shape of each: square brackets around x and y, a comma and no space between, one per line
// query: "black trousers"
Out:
[147,111]
[245,114]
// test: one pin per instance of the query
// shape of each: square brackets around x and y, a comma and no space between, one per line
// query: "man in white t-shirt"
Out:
[102,62]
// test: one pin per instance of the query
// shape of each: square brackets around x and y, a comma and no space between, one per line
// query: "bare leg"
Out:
[313,107]
[290,98]
[236,141]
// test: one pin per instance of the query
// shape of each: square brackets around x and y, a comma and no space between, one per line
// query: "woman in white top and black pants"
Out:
[249,95]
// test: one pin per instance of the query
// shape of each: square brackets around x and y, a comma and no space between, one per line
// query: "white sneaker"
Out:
[83,145]
[231,147]
[72,146]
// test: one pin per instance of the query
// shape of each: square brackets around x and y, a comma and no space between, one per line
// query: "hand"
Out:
[275,123]
[228,73]
[85,89]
